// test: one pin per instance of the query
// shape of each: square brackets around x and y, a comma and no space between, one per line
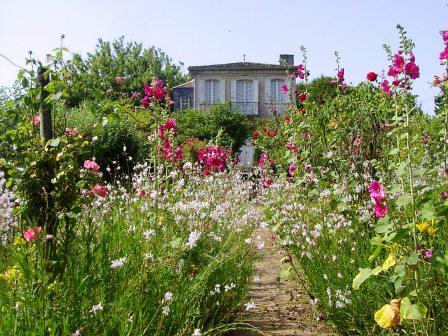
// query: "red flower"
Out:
[32,233]
[371,76]
[100,190]
[302,97]
[272,133]
[119,80]
[159,93]
[287,118]
[412,70]
[386,87]
[255,134]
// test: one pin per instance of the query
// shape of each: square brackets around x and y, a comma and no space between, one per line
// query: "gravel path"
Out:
[282,307]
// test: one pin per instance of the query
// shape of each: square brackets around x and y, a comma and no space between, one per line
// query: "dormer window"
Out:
[276,90]
[212,91]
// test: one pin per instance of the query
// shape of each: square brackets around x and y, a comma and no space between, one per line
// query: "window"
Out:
[244,91]
[212,91]
[184,103]
[276,90]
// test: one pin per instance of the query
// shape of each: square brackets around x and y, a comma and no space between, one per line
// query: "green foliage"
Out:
[320,90]
[93,77]
[221,123]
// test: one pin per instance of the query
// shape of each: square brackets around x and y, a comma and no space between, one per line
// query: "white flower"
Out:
[250,305]
[193,238]
[165,310]
[76,333]
[148,233]
[217,288]
[149,256]
[248,241]
[257,279]
[260,246]
[118,263]
[167,297]
[95,138]
[96,308]
[229,287]
[197,332]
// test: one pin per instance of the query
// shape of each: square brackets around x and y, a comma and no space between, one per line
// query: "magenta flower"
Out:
[292,147]
[427,254]
[385,86]
[170,124]
[444,34]
[444,194]
[119,80]
[340,75]
[412,70]
[444,54]
[292,168]
[380,209]
[398,62]
[301,71]
[159,93]
[91,165]
[357,142]
[285,88]
[376,191]
[393,71]
[213,158]
[371,76]
[146,101]
[267,182]
[262,159]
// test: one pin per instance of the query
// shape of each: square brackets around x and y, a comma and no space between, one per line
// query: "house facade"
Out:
[254,89]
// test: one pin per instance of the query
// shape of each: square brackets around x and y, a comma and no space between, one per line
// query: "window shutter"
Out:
[216,91]
[208,92]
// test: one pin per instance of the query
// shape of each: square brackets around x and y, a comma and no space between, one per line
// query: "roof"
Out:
[188,84]
[245,66]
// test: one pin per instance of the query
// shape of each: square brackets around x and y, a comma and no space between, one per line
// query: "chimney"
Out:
[288,59]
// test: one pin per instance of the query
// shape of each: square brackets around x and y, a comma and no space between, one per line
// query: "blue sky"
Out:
[206,32]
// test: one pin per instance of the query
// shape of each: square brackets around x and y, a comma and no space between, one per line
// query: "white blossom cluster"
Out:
[7,202]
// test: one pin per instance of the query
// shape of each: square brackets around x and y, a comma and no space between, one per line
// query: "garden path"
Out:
[282,307]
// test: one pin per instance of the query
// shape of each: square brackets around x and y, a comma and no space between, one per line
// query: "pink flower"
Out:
[444,34]
[340,76]
[148,90]
[292,168]
[92,165]
[427,254]
[292,147]
[393,71]
[159,93]
[119,80]
[213,158]
[146,102]
[444,54]
[444,194]
[357,142]
[36,120]
[267,182]
[262,159]
[301,71]
[170,124]
[412,70]
[376,191]
[100,190]
[32,233]
[285,88]
[371,76]
[386,87]
[380,209]
[398,62]
[71,131]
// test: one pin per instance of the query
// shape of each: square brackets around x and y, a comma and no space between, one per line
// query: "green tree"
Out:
[93,77]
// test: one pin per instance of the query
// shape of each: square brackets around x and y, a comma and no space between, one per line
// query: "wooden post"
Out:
[46,128]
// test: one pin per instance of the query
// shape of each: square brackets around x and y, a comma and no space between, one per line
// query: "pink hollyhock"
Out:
[301,71]
[380,209]
[119,80]
[444,194]
[398,62]
[285,88]
[32,233]
[159,93]
[376,191]
[444,54]
[213,158]
[36,120]
[444,34]
[371,76]
[340,76]
[91,165]
[170,124]
[292,168]
[255,134]
[396,82]
[148,90]
[412,70]
[393,71]
[386,87]
[167,149]
[357,142]
[100,190]
[412,57]
[161,132]
[146,101]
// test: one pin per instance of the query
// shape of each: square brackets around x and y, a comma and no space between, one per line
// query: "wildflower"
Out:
[148,234]
[287,118]
[371,76]
[165,310]
[119,80]
[118,263]
[376,191]
[36,120]
[388,316]
[292,147]
[357,142]
[193,238]
[95,138]
[422,226]
[285,88]
[380,209]
[267,182]
[32,233]
[91,165]
[71,131]
[229,287]
[96,308]
[292,168]
[250,305]
[412,70]
[100,190]
[167,297]
[431,230]
[427,254]
[197,332]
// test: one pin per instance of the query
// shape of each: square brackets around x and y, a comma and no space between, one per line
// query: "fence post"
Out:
[46,127]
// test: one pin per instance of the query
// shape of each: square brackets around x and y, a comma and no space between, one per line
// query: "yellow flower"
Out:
[422,226]
[10,275]
[431,230]
[388,316]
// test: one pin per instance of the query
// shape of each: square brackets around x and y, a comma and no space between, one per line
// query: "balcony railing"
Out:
[252,108]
